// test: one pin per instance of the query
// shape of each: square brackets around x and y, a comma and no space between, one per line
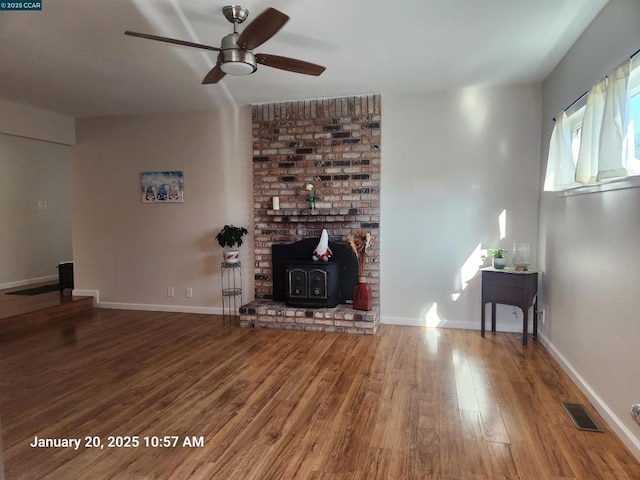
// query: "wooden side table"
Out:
[509,287]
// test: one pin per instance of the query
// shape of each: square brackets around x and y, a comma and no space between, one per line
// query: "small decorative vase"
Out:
[498,263]
[362,297]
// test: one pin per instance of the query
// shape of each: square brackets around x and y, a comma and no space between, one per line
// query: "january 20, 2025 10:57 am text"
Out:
[125,441]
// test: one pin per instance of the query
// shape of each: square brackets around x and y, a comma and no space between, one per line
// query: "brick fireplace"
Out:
[333,144]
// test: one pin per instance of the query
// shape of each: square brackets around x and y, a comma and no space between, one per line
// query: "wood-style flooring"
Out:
[20,311]
[407,403]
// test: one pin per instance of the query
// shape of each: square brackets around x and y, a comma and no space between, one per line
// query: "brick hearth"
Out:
[333,144]
[341,319]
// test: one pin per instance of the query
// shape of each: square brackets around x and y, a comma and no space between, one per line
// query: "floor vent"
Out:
[581,419]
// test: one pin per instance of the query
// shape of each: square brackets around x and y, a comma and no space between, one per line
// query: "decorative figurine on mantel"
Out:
[322,251]
[311,197]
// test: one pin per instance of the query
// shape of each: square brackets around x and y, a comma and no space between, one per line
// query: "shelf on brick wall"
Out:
[326,215]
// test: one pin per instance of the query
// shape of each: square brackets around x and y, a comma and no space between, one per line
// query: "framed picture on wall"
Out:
[162,187]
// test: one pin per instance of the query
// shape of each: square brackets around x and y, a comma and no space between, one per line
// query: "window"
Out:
[597,140]
[575,127]
[634,123]
[635,115]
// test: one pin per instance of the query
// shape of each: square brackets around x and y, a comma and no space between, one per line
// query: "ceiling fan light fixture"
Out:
[237,62]
[235,54]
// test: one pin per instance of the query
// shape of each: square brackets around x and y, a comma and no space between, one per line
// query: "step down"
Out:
[581,418]
[68,306]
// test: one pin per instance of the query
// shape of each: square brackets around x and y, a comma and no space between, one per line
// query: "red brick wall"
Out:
[333,144]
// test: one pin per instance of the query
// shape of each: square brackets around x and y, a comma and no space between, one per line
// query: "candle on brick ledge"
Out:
[276,203]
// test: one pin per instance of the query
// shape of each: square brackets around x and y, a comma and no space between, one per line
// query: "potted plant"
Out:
[497,257]
[230,237]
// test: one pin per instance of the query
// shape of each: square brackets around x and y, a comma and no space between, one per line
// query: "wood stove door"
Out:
[297,283]
[318,284]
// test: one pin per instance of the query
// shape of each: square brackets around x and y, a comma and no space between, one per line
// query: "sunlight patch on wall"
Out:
[474,109]
[431,318]
[502,223]
[472,265]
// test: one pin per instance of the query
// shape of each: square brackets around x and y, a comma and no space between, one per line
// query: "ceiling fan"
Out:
[236,55]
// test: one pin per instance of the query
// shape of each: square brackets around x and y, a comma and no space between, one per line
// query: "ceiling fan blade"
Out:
[214,75]
[171,40]
[289,64]
[265,26]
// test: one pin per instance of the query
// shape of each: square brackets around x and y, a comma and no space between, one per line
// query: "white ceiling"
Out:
[73,58]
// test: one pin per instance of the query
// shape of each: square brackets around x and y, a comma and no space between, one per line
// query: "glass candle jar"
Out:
[521,256]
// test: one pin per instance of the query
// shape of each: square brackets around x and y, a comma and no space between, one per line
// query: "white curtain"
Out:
[560,165]
[607,143]
[614,135]
[587,165]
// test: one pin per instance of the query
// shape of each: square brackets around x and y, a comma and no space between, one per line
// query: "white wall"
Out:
[34,170]
[452,162]
[589,244]
[131,252]
[24,121]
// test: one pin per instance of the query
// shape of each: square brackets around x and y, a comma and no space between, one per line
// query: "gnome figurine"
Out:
[322,251]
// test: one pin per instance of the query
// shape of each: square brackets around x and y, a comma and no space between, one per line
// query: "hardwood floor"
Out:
[407,403]
[20,311]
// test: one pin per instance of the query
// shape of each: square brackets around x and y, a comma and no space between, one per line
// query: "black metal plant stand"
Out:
[231,289]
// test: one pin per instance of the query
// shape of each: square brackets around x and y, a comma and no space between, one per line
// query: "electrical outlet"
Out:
[543,316]
[188,292]
[170,292]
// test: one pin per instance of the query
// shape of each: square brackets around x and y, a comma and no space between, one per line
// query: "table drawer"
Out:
[504,279]
[502,294]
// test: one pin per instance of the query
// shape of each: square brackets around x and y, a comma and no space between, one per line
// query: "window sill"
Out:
[619,184]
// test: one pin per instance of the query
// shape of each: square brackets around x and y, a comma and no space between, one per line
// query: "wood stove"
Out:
[312,284]
[292,265]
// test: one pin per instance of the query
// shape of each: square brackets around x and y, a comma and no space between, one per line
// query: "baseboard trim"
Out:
[160,308]
[145,307]
[464,325]
[620,429]
[87,293]
[29,281]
